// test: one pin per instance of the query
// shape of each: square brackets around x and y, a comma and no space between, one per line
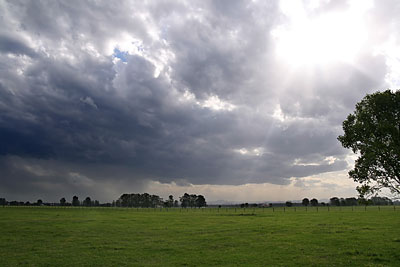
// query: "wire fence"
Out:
[226,210]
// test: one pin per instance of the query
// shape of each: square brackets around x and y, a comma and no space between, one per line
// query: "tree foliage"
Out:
[75,201]
[305,202]
[87,202]
[314,202]
[144,200]
[373,132]
[192,200]
[334,201]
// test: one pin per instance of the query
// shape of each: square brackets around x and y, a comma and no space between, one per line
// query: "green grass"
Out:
[40,236]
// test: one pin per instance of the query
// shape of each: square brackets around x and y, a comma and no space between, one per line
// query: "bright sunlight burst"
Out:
[317,40]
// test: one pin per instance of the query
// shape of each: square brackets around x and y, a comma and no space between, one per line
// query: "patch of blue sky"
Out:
[122,55]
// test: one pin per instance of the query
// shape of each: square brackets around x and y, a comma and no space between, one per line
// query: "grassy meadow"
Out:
[44,236]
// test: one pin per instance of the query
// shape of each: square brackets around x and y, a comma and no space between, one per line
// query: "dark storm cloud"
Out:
[8,44]
[74,116]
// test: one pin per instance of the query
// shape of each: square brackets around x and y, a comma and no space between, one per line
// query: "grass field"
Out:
[44,236]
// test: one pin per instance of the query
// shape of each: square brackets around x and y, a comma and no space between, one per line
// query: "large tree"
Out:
[185,200]
[87,202]
[201,201]
[75,201]
[314,202]
[373,132]
[335,201]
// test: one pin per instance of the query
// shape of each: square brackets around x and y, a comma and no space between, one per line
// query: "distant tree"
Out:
[144,200]
[314,202]
[87,202]
[176,203]
[96,203]
[334,201]
[39,202]
[351,201]
[305,202]
[363,201]
[75,201]
[185,200]
[373,132]
[3,201]
[342,202]
[288,204]
[192,200]
[381,201]
[200,201]
[62,201]
[156,201]
[170,201]
[128,200]
[166,204]
[14,203]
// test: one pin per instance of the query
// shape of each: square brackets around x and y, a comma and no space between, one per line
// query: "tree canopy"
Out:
[373,132]
[314,202]
[305,202]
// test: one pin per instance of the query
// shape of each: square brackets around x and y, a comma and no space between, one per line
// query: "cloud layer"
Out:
[98,97]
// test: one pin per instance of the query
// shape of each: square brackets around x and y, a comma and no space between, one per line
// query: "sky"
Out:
[237,100]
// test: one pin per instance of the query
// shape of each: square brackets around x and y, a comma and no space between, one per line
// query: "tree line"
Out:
[144,200]
[350,201]
[150,201]
[334,201]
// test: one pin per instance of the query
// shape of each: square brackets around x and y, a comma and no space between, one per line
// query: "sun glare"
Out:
[337,36]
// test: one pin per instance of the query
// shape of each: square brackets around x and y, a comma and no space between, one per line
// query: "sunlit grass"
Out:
[254,237]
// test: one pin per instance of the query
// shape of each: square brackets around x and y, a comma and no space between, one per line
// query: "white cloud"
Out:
[258,151]
[215,103]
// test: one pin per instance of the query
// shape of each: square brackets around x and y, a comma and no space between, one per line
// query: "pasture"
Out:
[56,236]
